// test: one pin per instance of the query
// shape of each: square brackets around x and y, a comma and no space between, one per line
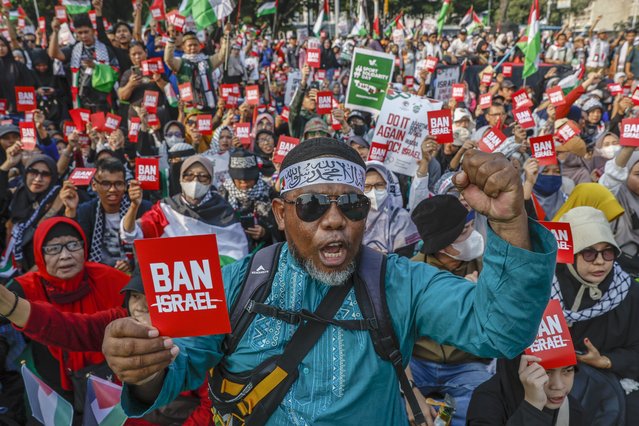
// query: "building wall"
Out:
[612,12]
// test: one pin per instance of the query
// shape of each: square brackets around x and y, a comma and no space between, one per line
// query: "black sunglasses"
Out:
[310,207]
[591,254]
[41,173]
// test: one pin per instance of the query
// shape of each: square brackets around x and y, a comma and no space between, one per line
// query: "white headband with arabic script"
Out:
[322,170]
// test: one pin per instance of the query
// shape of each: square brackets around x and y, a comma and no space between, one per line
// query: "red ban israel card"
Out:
[205,124]
[25,98]
[440,125]
[285,113]
[635,96]
[524,117]
[553,343]
[543,149]
[409,81]
[150,102]
[485,100]
[313,57]
[152,66]
[431,63]
[98,120]
[629,132]
[147,172]
[284,145]
[563,235]
[377,152]
[491,140]
[556,96]
[81,176]
[568,131]
[507,70]
[80,117]
[324,102]
[320,75]
[243,132]
[252,94]
[112,122]
[229,89]
[487,78]
[459,92]
[134,129]
[28,136]
[521,99]
[615,89]
[61,13]
[183,285]
[186,92]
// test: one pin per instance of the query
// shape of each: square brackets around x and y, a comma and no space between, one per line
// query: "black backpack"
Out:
[251,397]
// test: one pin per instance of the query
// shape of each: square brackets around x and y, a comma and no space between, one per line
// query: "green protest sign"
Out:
[371,72]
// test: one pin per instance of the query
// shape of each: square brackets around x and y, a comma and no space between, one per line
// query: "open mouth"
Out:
[558,401]
[333,254]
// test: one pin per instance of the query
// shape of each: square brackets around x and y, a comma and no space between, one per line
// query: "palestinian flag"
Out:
[530,43]
[268,8]
[471,20]
[394,24]
[75,7]
[47,406]
[102,404]
[324,16]
[206,12]
[359,29]
[172,217]
[441,19]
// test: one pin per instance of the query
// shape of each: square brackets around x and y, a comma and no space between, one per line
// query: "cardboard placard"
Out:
[28,136]
[563,235]
[431,64]
[459,92]
[3,106]
[205,124]
[370,74]
[152,66]
[524,117]
[491,140]
[553,343]
[98,120]
[61,13]
[485,100]
[507,70]
[556,96]
[568,131]
[150,100]
[112,122]
[81,176]
[284,145]
[183,285]
[543,149]
[615,89]
[635,96]
[486,78]
[252,94]
[313,57]
[285,113]
[440,125]
[147,172]
[186,92]
[243,132]
[409,81]
[324,103]
[25,98]
[80,117]
[629,132]
[134,129]
[521,100]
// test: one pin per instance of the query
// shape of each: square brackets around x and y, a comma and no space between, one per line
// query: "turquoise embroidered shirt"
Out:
[342,380]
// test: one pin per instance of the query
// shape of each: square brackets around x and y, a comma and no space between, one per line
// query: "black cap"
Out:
[463,31]
[439,220]
[507,83]
[244,165]
[9,128]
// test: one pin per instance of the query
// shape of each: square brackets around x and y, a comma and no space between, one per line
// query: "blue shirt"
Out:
[342,379]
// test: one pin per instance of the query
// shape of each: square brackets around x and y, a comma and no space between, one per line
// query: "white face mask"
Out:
[172,140]
[195,189]
[610,151]
[469,249]
[377,197]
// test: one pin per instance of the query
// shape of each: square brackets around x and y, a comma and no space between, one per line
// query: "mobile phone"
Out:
[315,85]
[136,70]
[247,221]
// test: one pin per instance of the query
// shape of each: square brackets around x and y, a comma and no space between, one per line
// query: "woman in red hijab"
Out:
[70,284]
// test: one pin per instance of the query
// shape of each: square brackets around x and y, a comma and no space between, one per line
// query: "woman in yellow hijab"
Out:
[592,195]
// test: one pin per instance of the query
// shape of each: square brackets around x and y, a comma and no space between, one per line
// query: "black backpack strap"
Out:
[287,365]
[370,290]
[256,286]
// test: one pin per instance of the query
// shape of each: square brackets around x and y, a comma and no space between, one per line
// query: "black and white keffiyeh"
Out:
[101,54]
[258,194]
[616,293]
[95,253]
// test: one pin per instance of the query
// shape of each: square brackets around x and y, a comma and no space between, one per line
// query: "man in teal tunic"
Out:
[342,380]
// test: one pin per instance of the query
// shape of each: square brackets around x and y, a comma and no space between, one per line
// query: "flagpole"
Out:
[35,5]
[336,16]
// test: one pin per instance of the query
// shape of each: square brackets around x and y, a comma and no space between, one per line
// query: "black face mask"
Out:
[359,129]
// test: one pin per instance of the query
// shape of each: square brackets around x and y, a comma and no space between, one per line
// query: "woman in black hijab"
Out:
[12,74]
[51,89]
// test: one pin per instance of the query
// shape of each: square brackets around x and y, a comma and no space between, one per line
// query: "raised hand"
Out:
[70,198]
[14,155]
[135,192]
[533,377]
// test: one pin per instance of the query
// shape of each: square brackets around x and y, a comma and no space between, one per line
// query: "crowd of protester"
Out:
[68,249]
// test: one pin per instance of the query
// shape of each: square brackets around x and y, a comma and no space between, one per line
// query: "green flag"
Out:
[268,8]
[531,42]
[207,12]
[442,15]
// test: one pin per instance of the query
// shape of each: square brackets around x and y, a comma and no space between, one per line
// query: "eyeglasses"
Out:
[176,134]
[191,122]
[105,185]
[377,186]
[42,173]
[71,246]
[591,254]
[202,178]
[310,207]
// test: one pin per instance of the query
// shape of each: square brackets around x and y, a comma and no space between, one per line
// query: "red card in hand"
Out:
[553,343]
[186,92]
[243,132]
[134,129]
[98,120]
[491,140]
[112,122]
[147,172]
[28,136]
[252,94]
[25,98]
[556,96]
[629,132]
[80,117]
[431,64]
[440,125]
[563,234]
[183,285]
[150,101]
[485,100]
[459,92]
[313,57]
[521,99]
[543,149]
[524,117]
[507,70]
[81,176]
[284,145]
[377,152]
[205,124]
[324,102]
[568,131]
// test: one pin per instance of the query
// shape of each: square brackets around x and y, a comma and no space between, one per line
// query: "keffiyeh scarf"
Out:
[237,198]
[95,253]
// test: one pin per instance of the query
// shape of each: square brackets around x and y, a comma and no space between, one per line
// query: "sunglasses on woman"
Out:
[42,173]
[71,246]
[591,254]
[310,207]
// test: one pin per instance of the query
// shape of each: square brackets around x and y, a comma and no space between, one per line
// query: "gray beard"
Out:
[331,279]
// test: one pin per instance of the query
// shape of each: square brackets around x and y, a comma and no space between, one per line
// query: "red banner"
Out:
[543,149]
[553,343]
[147,172]
[183,285]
